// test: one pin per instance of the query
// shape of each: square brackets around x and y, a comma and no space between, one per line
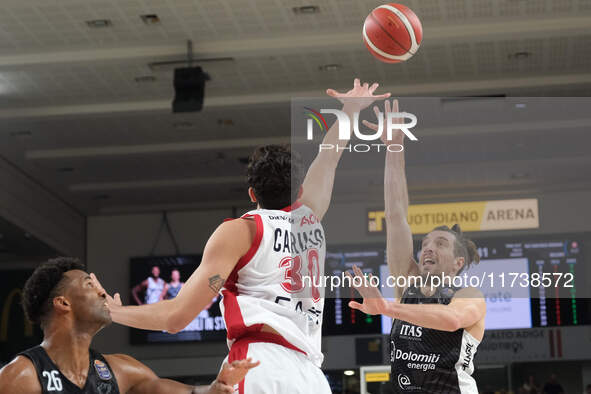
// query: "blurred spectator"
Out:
[587,389]
[530,386]
[553,387]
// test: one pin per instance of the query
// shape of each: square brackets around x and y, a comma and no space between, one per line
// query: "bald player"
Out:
[61,297]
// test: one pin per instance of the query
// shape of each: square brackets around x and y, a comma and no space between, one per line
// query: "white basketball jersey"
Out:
[154,290]
[274,283]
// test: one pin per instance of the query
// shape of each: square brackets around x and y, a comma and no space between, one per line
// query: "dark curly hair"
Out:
[44,285]
[463,246]
[275,174]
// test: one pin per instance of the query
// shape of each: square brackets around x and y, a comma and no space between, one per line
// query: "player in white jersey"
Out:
[259,261]
[153,286]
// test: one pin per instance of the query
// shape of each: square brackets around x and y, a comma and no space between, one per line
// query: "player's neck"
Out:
[68,349]
[428,290]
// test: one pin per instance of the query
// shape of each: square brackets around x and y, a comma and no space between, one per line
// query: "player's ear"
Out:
[459,263]
[61,304]
[251,194]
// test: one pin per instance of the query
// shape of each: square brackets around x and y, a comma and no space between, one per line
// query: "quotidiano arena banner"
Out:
[471,216]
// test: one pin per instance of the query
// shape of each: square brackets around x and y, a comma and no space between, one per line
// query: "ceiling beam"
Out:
[432,89]
[332,41]
[125,150]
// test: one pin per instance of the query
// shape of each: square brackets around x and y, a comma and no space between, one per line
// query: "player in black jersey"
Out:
[436,329]
[71,310]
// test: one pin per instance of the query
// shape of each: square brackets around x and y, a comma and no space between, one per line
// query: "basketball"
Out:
[392,33]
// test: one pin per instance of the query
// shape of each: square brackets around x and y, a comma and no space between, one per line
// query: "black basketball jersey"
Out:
[425,360]
[100,380]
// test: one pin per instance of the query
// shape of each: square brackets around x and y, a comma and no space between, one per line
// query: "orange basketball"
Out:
[392,33]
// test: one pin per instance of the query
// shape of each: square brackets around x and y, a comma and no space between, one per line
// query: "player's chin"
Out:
[105,317]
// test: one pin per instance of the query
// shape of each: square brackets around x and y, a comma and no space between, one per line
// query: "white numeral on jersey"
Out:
[54,383]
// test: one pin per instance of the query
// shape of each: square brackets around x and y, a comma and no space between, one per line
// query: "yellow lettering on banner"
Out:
[423,218]
[471,216]
[376,221]
[377,377]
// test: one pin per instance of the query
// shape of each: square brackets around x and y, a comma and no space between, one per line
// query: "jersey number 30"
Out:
[294,282]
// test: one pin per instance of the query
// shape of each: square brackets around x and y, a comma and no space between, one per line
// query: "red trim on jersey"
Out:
[239,351]
[256,242]
[232,314]
[293,206]
[258,337]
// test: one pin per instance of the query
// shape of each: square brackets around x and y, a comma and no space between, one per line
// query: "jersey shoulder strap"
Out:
[39,358]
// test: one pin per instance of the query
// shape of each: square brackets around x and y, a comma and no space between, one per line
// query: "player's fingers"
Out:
[332,93]
[373,87]
[387,107]
[352,280]
[357,270]
[117,298]
[349,275]
[95,280]
[372,281]
[381,96]
[370,125]
[222,388]
[355,305]
[394,105]
[356,82]
[365,86]
[376,111]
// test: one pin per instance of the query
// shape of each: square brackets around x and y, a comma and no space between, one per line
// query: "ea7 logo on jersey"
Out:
[310,219]
[408,330]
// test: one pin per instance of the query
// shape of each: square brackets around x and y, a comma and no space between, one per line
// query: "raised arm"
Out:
[398,234]
[136,378]
[319,180]
[225,247]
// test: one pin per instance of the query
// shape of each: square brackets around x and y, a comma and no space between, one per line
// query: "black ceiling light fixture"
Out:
[99,23]
[520,55]
[330,67]
[189,85]
[306,10]
[150,19]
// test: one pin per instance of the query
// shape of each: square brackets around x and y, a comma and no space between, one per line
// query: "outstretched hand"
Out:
[360,97]
[373,302]
[397,135]
[112,302]
[236,371]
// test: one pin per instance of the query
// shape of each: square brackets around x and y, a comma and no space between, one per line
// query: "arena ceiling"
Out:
[84,112]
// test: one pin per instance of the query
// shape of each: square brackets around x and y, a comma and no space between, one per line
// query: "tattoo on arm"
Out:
[216,283]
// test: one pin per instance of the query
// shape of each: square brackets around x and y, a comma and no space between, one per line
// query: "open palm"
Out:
[360,97]
[397,135]
[373,302]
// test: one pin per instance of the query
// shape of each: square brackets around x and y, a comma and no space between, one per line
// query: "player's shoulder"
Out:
[19,376]
[245,226]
